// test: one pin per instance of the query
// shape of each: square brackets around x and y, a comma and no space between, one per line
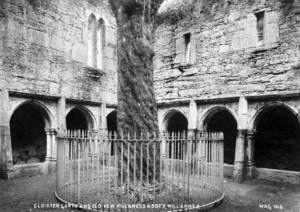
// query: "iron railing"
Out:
[101,170]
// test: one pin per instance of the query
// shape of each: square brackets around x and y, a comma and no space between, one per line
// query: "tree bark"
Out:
[137,110]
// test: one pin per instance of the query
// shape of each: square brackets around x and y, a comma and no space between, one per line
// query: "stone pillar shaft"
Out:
[6,160]
[48,144]
[192,125]
[103,124]
[240,146]
[53,145]
[61,109]
[250,153]
[239,163]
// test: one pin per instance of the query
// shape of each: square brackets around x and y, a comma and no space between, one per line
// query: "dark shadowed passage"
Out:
[177,123]
[76,120]
[277,141]
[27,127]
[223,121]
[111,121]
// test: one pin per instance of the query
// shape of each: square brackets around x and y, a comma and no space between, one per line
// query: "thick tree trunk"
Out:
[137,109]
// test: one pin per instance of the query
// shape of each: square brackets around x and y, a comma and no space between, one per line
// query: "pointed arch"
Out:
[277,137]
[80,118]
[174,120]
[221,119]
[111,121]
[27,128]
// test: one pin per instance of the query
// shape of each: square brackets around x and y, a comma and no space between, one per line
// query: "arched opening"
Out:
[77,119]
[28,137]
[101,43]
[176,125]
[92,41]
[277,140]
[223,121]
[177,122]
[111,121]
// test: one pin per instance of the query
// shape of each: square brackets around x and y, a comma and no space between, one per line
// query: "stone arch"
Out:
[42,107]
[175,123]
[111,121]
[221,119]
[112,127]
[172,114]
[28,137]
[92,41]
[277,137]
[267,106]
[211,112]
[80,118]
[101,30]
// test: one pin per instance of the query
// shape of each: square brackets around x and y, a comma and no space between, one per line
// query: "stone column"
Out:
[53,144]
[61,126]
[250,153]
[6,161]
[61,111]
[239,161]
[102,123]
[163,145]
[192,123]
[48,145]
[240,146]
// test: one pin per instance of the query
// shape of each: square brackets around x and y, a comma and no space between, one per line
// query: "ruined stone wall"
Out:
[44,48]
[227,60]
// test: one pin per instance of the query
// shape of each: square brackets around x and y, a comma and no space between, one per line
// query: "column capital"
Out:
[47,131]
[50,131]
[242,132]
[251,133]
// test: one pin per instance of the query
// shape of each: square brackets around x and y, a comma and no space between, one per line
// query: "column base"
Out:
[238,172]
[6,174]
[250,171]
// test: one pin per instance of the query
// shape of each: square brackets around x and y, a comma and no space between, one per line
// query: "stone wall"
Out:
[228,61]
[44,45]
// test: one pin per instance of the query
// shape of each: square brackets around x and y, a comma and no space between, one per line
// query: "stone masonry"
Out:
[45,49]
[209,58]
[44,68]
[228,61]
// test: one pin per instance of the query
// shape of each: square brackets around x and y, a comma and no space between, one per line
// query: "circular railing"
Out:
[140,172]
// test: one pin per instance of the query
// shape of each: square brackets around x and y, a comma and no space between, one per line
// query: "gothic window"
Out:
[101,43]
[260,27]
[187,39]
[92,41]
[185,49]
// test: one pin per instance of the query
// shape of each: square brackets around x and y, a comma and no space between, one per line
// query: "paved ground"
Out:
[22,194]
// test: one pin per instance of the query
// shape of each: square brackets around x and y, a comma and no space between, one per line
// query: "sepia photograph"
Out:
[149,105]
